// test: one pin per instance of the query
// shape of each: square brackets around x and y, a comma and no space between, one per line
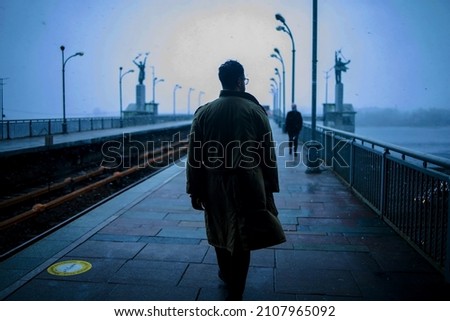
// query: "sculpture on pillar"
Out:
[339,66]
[141,66]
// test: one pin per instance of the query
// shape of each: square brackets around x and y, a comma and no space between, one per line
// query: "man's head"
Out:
[232,77]
[294,107]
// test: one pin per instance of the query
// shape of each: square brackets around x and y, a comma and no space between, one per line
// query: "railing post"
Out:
[352,163]
[30,128]
[383,183]
[447,249]
[8,132]
[49,129]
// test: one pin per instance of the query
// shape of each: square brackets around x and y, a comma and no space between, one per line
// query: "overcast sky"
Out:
[399,51]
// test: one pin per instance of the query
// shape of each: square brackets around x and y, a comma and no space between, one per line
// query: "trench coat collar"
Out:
[245,95]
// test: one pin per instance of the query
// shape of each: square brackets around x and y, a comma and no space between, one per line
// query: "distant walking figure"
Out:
[294,124]
[141,66]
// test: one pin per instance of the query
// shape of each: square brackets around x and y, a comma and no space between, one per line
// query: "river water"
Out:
[430,140]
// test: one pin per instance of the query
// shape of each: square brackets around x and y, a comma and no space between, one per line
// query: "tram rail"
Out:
[72,197]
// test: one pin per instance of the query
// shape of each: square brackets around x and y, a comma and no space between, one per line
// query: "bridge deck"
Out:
[149,244]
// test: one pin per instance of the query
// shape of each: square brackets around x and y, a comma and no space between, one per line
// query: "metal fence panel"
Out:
[417,205]
[410,190]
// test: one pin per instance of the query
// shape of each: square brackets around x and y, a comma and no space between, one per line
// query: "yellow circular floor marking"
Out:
[70,267]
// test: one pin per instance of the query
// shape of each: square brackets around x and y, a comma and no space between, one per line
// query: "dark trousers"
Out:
[233,268]
[293,140]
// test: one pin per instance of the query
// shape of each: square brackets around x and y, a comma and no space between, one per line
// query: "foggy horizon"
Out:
[398,52]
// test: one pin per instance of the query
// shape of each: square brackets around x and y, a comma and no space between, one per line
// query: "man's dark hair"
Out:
[229,74]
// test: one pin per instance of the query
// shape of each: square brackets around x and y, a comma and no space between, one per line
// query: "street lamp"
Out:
[277,89]
[286,29]
[155,81]
[313,161]
[189,101]
[200,94]
[279,97]
[64,124]
[120,90]
[274,93]
[1,101]
[174,104]
[278,56]
[326,84]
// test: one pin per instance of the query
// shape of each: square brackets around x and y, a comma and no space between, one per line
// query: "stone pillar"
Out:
[140,97]
[339,97]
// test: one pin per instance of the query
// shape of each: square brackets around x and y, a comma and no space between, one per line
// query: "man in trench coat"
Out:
[231,175]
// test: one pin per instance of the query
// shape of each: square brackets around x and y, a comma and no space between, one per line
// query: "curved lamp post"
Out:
[155,81]
[200,94]
[64,61]
[120,90]
[274,93]
[277,55]
[174,101]
[277,89]
[279,97]
[285,28]
[189,101]
[1,111]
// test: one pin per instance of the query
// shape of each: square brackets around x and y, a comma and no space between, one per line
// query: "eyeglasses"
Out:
[246,80]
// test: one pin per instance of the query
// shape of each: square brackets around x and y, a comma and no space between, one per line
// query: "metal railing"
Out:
[12,129]
[408,189]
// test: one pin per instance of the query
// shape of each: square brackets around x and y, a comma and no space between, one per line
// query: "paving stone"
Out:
[303,260]
[169,240]
[106,249]
[144,214]
[316,281]
[183,232]
[61,290]
[133,292]
[115,237]
[45,248]
[144,272]
[331,247]
[185,217]
[260,279]
[202,276]
[173,252]
[132,229]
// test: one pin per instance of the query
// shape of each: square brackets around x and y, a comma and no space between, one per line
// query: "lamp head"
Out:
[273,56]
[280,18]
[62,48]
[281,28]
[276,50]
[79,54]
